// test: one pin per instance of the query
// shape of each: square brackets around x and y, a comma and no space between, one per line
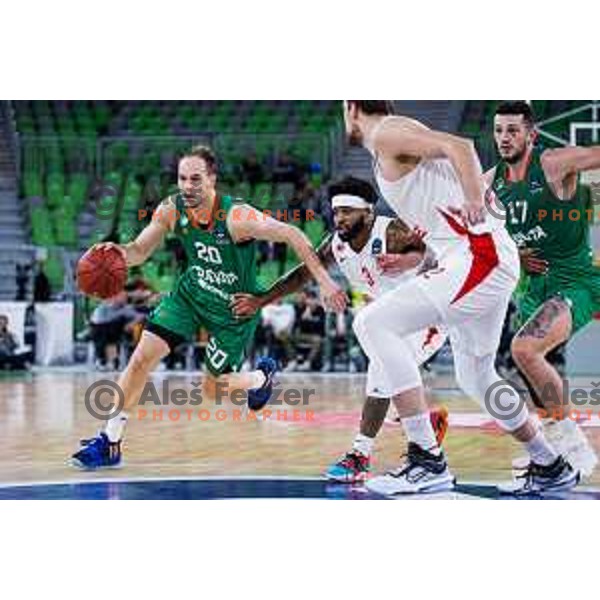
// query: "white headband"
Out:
[348,201]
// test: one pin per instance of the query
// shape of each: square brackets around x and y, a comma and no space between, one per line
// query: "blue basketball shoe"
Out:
[354,467]
[258,397]
[97,453]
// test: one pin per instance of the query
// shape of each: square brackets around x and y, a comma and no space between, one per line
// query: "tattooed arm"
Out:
[405,250]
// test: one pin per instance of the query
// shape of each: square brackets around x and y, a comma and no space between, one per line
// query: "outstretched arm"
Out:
[245,305]
[572,160]
[405,137]
[139,250]
[246,223]
[562,165]
[297,277]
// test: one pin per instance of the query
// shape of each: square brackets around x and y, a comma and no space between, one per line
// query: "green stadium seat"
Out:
[315,231]
[26,125]
[268,274]
[33,184]
[65,228]
[77,189]
[131,202]
[472,130]
[55,188]
[242,191]
[282,194]
[263,196]
[114,178]
[318,125]
[263,148]
[42,233]
[54,269]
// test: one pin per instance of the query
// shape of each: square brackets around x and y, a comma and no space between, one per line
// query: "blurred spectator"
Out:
[272,252]
[287,170]
[252,171]
[307,197]
[339,341]
[41,286]
[175,246]
[10,357]
[278,323]
[22,278]
[141,295]
[309,330]
[110,322]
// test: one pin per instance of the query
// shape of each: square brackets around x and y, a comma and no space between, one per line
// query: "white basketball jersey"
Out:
[422,198]
[360,269]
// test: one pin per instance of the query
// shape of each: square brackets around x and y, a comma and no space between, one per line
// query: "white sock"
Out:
[116,426]
[258,379]
[419,430]
[363,444]
[540,450]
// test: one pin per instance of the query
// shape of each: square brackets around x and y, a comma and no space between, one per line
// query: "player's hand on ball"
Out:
[245,305]
[531,263]
[106,246]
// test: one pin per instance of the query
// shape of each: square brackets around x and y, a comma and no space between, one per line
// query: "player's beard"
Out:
[517,156]
[348,235]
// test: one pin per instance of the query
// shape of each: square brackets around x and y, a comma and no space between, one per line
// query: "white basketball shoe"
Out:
[568,439]
[423,471]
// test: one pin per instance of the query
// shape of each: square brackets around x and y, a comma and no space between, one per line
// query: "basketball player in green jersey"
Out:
[218,237]
[548,214]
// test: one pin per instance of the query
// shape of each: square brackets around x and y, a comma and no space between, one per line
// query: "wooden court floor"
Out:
[43,416]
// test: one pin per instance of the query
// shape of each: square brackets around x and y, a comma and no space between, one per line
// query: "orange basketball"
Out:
[102,272]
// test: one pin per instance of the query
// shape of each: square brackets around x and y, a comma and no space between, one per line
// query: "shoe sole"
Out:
[77,464]
[334,479]
[440,486]
[585,467]
[563,487]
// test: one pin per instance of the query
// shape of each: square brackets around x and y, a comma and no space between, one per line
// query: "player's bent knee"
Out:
[358,324]
[368,320]
[523,350]
[144,359]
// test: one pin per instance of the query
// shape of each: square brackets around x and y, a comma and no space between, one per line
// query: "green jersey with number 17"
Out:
[537,218]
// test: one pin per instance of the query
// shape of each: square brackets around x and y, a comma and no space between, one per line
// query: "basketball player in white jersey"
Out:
[374,253]
[434,183]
